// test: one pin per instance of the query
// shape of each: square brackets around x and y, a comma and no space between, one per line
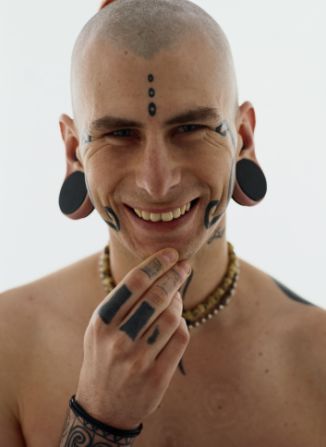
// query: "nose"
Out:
[158,169]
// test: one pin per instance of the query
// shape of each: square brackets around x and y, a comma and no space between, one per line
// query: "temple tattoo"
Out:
[223,129]
[111,307]
[210,217]
[87,139]
[138,320]
[218,234]
[152,108]
[152,268]
[79,432]
[114,220]
[152,339]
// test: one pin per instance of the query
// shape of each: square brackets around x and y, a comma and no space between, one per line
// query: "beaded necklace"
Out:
[203,311]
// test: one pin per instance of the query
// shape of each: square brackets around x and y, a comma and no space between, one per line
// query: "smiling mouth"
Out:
[163,217]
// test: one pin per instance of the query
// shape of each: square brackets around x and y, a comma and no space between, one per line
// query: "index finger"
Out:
[139,280]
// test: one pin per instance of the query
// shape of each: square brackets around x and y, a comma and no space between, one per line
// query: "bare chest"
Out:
[232,394]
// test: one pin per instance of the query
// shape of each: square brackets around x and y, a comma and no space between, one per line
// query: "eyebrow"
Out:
[197,114]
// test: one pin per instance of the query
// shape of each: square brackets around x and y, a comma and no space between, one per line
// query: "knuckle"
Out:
[119,344]
[139,365]
[138,280]
[182,333]
[157,297]
[171,317]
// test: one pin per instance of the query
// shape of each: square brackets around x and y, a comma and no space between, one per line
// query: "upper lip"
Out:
[160,210]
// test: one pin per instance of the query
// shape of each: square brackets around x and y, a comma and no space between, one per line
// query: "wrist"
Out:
[99,426]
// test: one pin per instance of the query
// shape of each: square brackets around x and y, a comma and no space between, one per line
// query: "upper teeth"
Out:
[166,217]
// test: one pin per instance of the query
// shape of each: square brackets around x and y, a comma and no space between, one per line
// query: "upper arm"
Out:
[10,431]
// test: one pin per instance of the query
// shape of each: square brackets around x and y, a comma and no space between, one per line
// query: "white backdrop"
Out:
[279,52]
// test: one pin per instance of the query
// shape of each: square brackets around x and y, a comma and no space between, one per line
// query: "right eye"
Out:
[120,133]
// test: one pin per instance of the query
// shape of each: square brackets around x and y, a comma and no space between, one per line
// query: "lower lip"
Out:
[163,226]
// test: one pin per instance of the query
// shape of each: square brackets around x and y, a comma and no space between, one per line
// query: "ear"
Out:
[74,200]
[250,185]
[246,129]
[71,141]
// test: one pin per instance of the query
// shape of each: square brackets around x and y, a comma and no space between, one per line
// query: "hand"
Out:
[133,344]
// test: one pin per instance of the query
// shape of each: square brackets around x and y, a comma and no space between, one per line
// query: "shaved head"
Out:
[147,27]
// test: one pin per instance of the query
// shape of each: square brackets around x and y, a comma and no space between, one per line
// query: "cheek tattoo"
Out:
[151,93]
[210,219]
[114,221]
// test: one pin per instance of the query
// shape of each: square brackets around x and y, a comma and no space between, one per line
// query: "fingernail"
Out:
[170,255]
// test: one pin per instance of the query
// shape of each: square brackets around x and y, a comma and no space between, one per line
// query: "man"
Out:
[158,146]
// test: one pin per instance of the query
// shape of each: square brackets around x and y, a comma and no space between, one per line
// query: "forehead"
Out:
[192,73]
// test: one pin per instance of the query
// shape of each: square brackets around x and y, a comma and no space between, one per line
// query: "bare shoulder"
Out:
[51,295]
[29,310]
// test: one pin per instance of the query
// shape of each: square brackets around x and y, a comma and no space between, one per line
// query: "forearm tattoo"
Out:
[218,234]
[138,320]
[113,221]
[78,432]
[111,307]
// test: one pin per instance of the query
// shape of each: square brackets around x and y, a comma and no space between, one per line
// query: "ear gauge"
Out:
[251,185]
[74,201]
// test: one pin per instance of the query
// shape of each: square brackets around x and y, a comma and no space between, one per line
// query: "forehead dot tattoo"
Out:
[152,108]
[151,92]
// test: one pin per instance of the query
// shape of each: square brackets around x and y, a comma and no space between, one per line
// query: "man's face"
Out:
[157,164]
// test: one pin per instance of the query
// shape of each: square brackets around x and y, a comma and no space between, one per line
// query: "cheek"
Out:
[216,162]
[102,176]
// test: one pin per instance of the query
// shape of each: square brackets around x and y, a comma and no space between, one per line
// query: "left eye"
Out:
[120,133]
[190,127]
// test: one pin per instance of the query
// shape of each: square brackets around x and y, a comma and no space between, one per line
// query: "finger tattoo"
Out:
[138,320]
[152,268]
[152,339]
[111,307]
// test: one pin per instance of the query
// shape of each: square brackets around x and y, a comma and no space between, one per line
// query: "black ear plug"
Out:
[74,201]
[251,179]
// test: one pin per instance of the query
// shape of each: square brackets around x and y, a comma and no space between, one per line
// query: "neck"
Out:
[209,265]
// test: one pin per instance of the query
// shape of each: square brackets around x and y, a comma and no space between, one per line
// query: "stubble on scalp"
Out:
[146,27]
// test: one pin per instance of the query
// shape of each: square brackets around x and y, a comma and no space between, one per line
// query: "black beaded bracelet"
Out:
[79,411]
